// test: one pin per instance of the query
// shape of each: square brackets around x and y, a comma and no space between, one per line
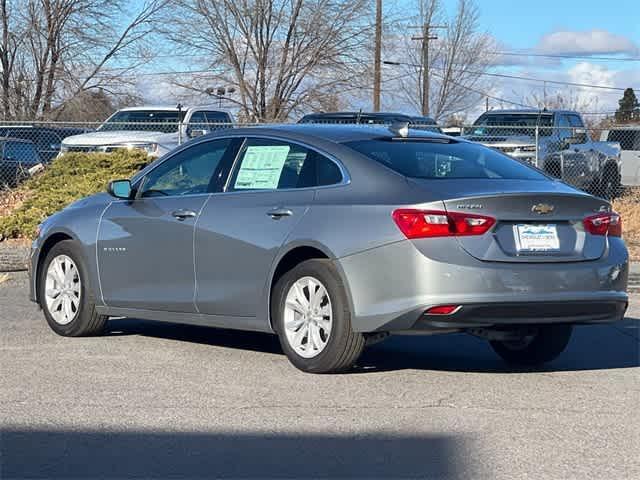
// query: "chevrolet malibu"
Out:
[334,237]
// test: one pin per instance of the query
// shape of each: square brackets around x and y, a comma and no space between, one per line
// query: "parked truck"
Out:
[555,141]
[156,130]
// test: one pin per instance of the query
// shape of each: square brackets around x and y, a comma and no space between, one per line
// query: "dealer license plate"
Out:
[537,238]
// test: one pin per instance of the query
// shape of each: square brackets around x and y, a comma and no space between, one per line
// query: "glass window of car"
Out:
[266,164]
[165,121]
[217,117]
[575,121]
[513,124]
[187,172]
[434,160]
[564,127]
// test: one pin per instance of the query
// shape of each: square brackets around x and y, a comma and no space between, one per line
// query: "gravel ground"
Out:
[169,401]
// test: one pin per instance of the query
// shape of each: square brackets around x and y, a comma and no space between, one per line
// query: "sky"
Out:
[586,28]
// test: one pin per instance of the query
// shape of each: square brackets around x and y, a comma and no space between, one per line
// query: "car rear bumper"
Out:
[391,287]
[499,314]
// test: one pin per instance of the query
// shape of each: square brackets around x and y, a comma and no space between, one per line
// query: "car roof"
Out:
[166,108]
[17,140]
[349,115]
[337,133]
[518,111]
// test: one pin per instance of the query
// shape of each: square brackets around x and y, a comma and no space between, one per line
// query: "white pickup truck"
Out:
[156,130]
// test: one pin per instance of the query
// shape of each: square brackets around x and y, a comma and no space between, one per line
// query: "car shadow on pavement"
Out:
[592,347]
[57,454]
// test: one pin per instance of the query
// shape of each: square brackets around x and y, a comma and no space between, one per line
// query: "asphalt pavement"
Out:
[152,400]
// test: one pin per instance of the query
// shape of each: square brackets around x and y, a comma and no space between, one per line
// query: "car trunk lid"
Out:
[536,221]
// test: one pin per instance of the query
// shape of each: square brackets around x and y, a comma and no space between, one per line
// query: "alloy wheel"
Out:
[62,289]
[308,317]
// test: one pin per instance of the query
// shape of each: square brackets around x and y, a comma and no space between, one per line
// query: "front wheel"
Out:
[313,320]
[545,343]
[64,293]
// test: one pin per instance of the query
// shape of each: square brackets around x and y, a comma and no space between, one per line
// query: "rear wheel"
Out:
[313,320]
[545,343]
[64,293]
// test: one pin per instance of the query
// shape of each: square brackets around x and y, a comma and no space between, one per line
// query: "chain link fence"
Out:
[604,162]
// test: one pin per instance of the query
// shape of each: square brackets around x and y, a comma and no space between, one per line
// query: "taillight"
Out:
[608,223]
[436,223]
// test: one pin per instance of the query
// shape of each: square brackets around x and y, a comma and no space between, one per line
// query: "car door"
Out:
[145,246]
[242,229]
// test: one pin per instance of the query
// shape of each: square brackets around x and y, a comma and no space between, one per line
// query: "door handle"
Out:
[279,212]
[181,214]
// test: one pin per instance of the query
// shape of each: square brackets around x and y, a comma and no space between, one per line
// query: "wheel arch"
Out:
[292,256]
[52,239]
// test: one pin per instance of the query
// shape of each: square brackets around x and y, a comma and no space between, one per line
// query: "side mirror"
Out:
[197,132]
[120,189]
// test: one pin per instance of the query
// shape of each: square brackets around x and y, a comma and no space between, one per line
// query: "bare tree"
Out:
[280,55]
[457,60]
[54,50]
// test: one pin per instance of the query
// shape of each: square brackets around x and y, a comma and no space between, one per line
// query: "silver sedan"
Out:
[334,237]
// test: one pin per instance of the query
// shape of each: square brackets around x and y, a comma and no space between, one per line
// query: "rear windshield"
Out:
[425,159]
[512,124]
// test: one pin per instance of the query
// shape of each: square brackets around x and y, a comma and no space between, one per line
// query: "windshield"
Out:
[165,121]
[432,160]
[521,123]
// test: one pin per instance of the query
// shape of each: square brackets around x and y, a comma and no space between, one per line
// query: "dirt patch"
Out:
[628,206]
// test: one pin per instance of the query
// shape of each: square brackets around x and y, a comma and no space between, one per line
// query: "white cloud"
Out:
[591,42]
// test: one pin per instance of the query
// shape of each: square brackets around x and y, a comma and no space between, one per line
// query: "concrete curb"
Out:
[14,256]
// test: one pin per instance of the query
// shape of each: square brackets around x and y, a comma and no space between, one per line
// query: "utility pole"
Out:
[377,67]
[426,37]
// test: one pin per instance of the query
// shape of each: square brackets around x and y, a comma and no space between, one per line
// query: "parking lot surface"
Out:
[171,401]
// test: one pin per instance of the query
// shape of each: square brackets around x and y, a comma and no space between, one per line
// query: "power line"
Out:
[517,77]
[567,57]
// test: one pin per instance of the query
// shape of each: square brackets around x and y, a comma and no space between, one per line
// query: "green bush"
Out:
[66,179]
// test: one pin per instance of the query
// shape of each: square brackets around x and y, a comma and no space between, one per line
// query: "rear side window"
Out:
[431,160]
[277,165]
[628,139]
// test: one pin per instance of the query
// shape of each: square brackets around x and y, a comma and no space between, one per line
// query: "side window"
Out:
[564,130]
[276,165]
[576,121]
[187,172]
[328,172]
[217,117]
[197,118]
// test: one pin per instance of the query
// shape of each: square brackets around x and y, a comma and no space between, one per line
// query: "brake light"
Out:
[608,223]
[435,223]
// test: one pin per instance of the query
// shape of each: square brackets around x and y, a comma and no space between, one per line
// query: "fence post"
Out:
[537,145]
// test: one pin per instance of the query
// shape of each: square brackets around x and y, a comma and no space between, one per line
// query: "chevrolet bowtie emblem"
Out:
[543,208]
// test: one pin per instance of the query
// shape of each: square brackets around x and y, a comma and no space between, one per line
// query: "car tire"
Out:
[69,289]
[325,347]
[544,346]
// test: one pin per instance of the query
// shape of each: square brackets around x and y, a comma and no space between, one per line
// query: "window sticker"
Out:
[261,167]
